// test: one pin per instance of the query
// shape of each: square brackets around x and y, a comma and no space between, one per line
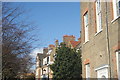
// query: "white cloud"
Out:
[35,51]
[33,54]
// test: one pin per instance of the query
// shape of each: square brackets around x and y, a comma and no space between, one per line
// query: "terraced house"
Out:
[45,59]
[100,38]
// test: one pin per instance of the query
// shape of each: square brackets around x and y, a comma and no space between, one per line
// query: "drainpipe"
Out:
[107,39]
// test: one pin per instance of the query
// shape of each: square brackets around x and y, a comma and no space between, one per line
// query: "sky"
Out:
[52,20]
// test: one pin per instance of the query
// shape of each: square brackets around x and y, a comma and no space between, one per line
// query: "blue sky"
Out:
[52,20]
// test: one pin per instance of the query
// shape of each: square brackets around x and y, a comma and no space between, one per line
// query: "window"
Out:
[118,63]
[37,63]
[87,71]
[37,72]
[47,59]
[98,16]
[86,26]
[119,7]
[42,71]
[116,8]
[102,72]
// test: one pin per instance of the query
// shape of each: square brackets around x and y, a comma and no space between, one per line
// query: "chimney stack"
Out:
[56,43]
[45,50]
[67,38]
[79,39]
[51,46]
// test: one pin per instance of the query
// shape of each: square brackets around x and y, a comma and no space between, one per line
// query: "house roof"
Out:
[74,43]
[79,39]
[51,45]
[69,36]
[56,40]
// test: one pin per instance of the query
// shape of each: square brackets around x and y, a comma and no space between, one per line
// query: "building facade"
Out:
[45,59]
[43,62]
[39,64]
[100,39]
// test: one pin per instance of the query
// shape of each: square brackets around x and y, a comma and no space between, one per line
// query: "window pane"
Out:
[86,26]
[98,15]
[47,60]
[119,65]
[88,71]
[100,21]
[86,19]
[119,7]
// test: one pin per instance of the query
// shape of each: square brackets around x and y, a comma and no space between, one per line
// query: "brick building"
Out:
[39,64]
[70,41]
[100,39]
[67,39]
[43,60]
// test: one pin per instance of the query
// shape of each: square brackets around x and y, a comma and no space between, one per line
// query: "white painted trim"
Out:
[49,52]
[117,62]
[98,32]
[115,10]
[87,66]
[115,19]
[86,42]
[105,66]
[86,26]
[98,15]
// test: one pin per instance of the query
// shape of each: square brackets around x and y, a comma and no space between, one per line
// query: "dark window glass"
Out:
[47,60]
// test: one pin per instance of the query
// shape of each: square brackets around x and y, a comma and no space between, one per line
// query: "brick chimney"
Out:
[56,43]
[79,39]
[45,50]
[67,38]
[51,46]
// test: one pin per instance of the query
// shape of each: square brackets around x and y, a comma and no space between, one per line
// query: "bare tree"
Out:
[16,45]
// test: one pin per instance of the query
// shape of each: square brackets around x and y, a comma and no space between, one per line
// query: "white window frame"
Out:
[37,72]
[86,26]
[98,16]
[37,64]
[116,8]
[87,67]
[118,63]
[48,60]
[102,71]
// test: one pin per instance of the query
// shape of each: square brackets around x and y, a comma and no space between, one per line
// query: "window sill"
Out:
[102,67]
[98,32]
[86,42]
[115,19]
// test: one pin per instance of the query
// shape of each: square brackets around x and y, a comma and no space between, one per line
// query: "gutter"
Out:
[108,43]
